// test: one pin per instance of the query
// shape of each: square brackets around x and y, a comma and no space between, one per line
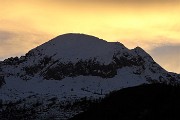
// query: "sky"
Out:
[153,25]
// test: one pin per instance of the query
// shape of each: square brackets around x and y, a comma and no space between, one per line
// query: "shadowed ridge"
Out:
[145,102]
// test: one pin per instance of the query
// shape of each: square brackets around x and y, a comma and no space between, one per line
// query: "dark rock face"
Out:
[12,61]
[85,68]
[2,81]
[57,70]
[51,69]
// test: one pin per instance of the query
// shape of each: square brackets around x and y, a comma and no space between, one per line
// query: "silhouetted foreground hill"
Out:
[145,102]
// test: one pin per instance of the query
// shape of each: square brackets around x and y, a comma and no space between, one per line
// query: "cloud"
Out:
[168,56]
[5,35]
[129,2]
[18,43]
[115,1]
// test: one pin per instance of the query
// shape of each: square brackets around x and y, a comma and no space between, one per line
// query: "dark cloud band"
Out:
[6,35]
[121,1]
[168,56]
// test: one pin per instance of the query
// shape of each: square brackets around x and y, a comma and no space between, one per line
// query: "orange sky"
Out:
[152,25]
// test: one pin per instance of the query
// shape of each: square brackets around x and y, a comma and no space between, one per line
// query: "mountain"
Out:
[72,68]
[144,102]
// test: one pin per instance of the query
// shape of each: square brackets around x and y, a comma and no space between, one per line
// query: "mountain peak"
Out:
[73,46]
[77,40]
[78,37]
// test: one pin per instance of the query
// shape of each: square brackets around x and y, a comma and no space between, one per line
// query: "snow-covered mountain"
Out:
[75,66]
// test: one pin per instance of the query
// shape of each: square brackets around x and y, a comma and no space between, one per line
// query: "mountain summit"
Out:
[75,66]
[72,47]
